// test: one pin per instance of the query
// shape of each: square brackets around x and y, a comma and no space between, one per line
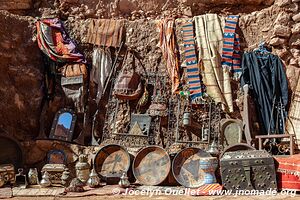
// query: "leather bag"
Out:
[128,84]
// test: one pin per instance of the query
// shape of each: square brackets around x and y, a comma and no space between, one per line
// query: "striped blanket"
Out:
[106,32]
[167,43]
[54,41]
[102,64]
[192,71]
[231,57]
[209,37]
[293,122]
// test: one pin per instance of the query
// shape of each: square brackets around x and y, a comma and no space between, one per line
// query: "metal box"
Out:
[248,170]
[55,172]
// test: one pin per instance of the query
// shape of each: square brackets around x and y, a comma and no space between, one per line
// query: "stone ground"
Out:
[119,197]
[107,192]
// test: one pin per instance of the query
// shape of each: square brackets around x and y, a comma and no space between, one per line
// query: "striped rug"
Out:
[192,71]
[231,57]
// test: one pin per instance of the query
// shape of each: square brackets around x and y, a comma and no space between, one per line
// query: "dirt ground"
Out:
[119,197]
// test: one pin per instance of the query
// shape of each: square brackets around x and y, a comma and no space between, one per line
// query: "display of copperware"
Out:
[151,165]
[187,168]
[111,161]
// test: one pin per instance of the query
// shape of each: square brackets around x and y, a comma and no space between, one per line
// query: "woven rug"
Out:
[209,37]
[106,32]
[193,72]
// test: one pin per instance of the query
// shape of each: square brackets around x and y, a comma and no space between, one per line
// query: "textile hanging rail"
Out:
[54,41]
[106,32]
[167,44]
[193,70]
[231,57]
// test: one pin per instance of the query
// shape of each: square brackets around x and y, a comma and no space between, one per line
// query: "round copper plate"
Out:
[151,165]
[112,161]
[186,167]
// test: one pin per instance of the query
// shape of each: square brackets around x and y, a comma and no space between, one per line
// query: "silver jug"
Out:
[124,183]
[45,182]
[94,179]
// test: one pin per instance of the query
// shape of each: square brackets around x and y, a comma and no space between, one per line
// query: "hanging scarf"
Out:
[167,44]
[191,60]
[54,41]
[231,57]
[102,65]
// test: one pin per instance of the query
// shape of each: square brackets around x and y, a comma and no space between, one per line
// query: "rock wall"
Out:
[21,75]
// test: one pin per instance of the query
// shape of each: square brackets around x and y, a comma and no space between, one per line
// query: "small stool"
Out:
[261,137]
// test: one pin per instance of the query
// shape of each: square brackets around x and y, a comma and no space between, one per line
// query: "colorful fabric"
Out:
[288,172]
[54,41]
[207,189]
[293,124]
[102,64]
[231,57]
[167,44]
[209,37]
[106,32]
[193,71]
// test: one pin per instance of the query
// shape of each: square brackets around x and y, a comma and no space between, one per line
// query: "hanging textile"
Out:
[269,88]
[209,37]
[101,68]
[106,32]
[193,71]
[293,124]
[54,41]
[231,57]
[167,44]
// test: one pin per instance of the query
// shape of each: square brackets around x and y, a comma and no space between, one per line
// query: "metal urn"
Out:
[94,180]
[45,182]
[124,183]
[65,177]
[82,168]
[33,176]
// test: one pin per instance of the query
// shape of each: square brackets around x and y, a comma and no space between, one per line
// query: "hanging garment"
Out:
[101,68]
[293,124]
[54,41]
[106,32]
[268,87]
[231,57]
[209,37]
[167,44]
[193,71]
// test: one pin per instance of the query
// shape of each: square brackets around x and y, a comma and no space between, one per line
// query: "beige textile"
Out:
[106,32]
[293,121]
[209,38]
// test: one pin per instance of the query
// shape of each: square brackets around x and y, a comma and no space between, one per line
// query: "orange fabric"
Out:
[167,43]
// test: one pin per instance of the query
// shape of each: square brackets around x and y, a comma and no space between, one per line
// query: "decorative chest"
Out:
[55,172]
[248,170]
[8,171]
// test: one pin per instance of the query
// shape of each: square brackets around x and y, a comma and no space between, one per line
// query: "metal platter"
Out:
[151,165]
[186,167]
[111,161]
